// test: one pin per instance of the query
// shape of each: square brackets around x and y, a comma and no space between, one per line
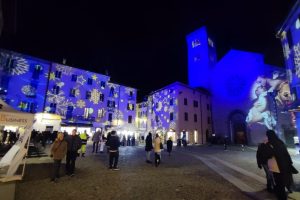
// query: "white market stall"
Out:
[14,157]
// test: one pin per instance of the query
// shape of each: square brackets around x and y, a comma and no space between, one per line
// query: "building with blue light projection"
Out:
[289,34]
[177,111]
[82,98]
[248,96]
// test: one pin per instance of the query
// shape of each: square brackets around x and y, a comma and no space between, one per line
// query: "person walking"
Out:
[58,152]
[169,145]
[96,139]
[114,143]
[148,147]
[279,163]
[74,144]
[262,162]
[84,138]
[157,150]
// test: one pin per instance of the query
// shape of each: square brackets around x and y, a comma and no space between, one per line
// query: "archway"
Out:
[238,127]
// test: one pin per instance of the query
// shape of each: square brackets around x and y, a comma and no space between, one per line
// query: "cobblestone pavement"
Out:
[195,172]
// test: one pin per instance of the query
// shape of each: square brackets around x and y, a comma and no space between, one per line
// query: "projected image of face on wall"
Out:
[269,90]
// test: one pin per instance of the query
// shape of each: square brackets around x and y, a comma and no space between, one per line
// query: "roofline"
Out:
[287,20]
[48,62]
[181,84]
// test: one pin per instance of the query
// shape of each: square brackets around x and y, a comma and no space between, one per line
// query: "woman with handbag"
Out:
[157,150]
[58,152]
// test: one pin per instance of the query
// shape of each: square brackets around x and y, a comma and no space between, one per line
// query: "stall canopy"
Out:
[12,117]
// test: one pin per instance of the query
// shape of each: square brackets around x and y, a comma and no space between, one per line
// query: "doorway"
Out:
[238,127]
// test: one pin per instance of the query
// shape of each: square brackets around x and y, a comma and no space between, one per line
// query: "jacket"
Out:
[148,146]
[114,143]
[96,137]
[59,149]
[74,143]
[262,155]
[157,142]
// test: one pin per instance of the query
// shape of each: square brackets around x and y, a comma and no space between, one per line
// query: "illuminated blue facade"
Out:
[80,97]
[201,58]
[248,96]
[23,81]
[290,39]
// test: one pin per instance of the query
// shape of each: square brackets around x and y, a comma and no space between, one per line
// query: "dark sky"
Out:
[140,43]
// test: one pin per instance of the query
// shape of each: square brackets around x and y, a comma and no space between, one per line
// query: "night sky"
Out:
[140,43]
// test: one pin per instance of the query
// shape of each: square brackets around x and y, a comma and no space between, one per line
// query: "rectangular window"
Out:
[69,112]
[195,104]
[100,113]
[57,74]
[111,104]
[156,118]
[72,92]
[101,97]
[102,85]
[186,116]
[129,119]
[131,94]
[195,118]
[208,120]
[56,89]
[110,117]
[86,113]
[37,71]
[171,102]
[185,101]
[90,81]
[112,92]
[74,78]
[207,106]
[88,95]
[130,106]
[171,116]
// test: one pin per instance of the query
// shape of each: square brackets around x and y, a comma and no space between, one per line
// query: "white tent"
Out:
[13,158]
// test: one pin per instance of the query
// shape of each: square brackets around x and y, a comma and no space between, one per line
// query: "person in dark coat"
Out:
[74,144]
[280,163]
[114,143]
[169,145]
[262,162]
[148,147]
[96,139]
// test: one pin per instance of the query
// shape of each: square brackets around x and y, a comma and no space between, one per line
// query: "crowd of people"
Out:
[8,137]
[74,145]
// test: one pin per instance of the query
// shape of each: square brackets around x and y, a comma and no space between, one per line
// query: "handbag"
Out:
[294,170]
[161,146]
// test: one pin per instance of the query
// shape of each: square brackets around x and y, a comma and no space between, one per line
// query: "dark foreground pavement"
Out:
[189,173]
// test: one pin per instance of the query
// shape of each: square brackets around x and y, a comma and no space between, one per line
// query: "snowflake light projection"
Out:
[172,125]
[60,84]
[80,103]
[66,70]
[118,114]
[17,66]
[55,98]
[297,59]
[94,77]
[28,90]
[61,103]
[95,96]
